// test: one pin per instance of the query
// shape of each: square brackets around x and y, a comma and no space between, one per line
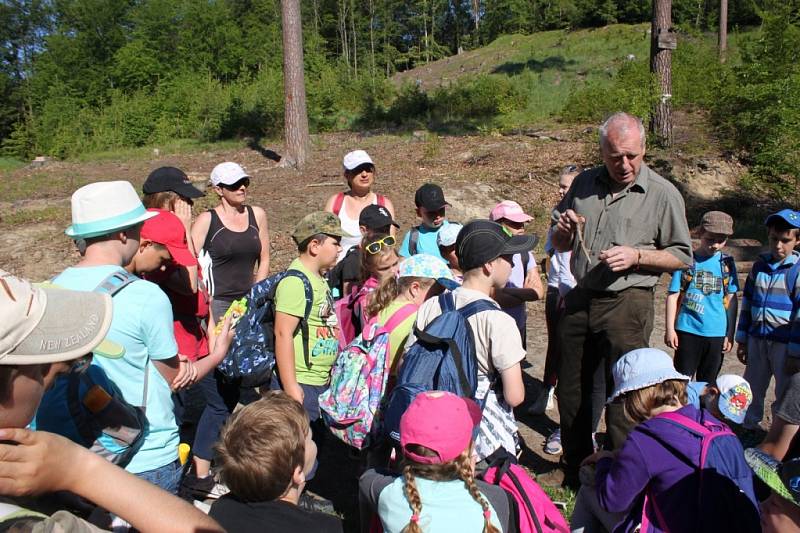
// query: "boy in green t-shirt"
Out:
[317,237]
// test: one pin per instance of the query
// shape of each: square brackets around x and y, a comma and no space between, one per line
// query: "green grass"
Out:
[10,163]
[31,216]
[170,147]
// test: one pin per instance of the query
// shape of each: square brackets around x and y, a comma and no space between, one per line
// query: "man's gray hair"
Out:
[623,121]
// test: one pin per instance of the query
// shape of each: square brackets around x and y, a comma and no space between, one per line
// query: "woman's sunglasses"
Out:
[375,247]
[236,186]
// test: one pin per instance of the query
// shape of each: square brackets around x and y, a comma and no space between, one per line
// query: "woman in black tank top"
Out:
[234,239]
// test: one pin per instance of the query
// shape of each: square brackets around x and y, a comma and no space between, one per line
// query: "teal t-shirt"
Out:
[142,324]
[702,310]
[446,506]
[426,243]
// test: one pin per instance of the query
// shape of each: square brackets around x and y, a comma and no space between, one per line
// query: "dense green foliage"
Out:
[80,76]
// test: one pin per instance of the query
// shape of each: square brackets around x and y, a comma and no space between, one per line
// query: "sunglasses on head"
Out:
[236,186]
[375,247]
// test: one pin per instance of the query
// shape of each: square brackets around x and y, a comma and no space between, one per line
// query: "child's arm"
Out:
[513,386]
[263,236]
[620,481]
[285,326]
[671,314]
[731,313]
[42,462]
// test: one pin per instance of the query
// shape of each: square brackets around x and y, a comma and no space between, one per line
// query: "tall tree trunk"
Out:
[342,23]
[372,39]
[425,28]
[723,30]
[355,42]
[476,13]
[661,65]
[294,97]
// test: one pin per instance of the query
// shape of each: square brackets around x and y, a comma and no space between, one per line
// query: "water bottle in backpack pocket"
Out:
[251,356]
[442,358]
[87,408]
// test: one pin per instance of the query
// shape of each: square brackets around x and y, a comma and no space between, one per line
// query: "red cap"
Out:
[441,422]
[167,229]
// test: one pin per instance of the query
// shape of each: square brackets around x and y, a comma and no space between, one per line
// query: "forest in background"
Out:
[80,76]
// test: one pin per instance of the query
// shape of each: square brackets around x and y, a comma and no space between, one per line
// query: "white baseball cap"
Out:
[49,324]
[356,158]
[227,173]
[103,207]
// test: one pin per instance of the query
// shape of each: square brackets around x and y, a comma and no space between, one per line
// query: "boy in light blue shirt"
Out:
[701,307]
[431,207]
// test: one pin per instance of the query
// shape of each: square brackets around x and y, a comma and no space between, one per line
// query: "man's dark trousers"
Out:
[597,327]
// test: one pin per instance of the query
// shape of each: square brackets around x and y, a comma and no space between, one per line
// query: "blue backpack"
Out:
[725,497]
[87,408]
[442,358]
[251,356]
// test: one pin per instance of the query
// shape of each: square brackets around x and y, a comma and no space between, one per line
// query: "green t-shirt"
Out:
[398,337]
[322,341]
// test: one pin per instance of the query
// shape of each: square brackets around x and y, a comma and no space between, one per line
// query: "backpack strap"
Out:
[413,240]
[303,324]
[111,285]
[791,278]
[525,257]
[398,317]
[338,202]
[381,200]
[74,380]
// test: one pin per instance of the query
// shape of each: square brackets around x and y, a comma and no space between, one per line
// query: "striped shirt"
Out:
[770,308]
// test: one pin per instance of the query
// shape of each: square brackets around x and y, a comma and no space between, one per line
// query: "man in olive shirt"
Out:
[625,225]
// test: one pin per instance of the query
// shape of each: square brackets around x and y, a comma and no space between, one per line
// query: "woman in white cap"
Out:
[359,173]
[234,239]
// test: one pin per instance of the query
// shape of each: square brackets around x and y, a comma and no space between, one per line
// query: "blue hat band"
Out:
[99,227]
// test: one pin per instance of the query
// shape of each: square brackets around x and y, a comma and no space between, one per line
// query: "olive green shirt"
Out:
[649,215]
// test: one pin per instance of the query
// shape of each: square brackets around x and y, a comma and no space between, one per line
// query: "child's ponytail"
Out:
[414,501]
[386,292]
[465,473]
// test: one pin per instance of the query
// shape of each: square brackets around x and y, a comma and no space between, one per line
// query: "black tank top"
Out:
[233,256]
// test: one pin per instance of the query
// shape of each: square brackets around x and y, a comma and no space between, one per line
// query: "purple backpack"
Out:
[726,500]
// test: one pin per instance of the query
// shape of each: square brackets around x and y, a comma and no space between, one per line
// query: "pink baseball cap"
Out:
[441,422]
[510,210]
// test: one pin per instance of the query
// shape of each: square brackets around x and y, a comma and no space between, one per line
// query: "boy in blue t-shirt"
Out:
[431,206]
[701,307]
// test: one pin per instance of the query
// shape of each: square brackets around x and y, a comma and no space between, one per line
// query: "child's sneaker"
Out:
[553,444]
[201,488]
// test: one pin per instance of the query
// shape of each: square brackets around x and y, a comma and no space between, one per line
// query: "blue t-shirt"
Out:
[446,506]
[426,243]
[702,310]
[142,324]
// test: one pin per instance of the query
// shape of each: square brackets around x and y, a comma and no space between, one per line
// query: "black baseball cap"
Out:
[482,241]
[170,179]
[431,197]
[376,216]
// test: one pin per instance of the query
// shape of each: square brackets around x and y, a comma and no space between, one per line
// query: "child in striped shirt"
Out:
[768,334]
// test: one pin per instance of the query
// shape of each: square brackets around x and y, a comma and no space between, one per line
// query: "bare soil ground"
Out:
[475,172]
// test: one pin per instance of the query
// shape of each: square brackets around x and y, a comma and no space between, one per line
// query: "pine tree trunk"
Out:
[723,30]
[661,65]
[355,43]
[372,39]
[295,115]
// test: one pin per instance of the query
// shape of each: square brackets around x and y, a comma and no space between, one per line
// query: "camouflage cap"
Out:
[717,222]
[315,223]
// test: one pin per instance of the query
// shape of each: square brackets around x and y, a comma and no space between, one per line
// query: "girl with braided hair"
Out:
[437,491]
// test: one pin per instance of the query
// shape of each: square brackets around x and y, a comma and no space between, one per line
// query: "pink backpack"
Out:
[351,312]
[535,511]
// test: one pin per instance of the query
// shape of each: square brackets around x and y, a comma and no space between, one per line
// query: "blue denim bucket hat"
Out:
[642,368]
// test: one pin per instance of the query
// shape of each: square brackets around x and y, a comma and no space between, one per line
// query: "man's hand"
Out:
[619,258]
[568,222]
[40,462]
[671,339]
[727,344]
[741,353]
